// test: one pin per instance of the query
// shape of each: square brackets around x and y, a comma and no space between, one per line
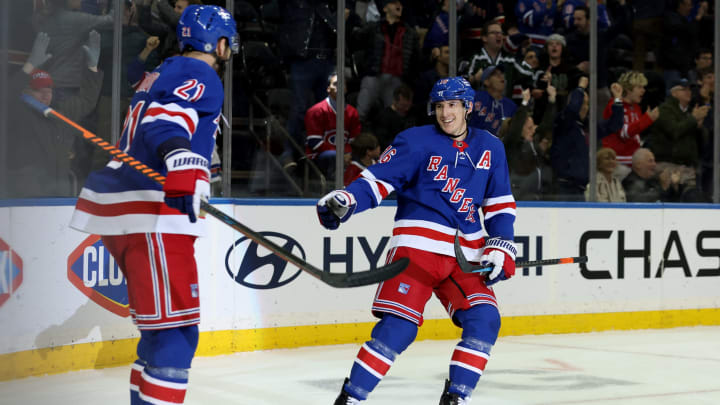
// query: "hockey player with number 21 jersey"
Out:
[150,230]
[443,175]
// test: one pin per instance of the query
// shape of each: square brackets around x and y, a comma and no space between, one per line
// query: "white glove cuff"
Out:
[339,201]
[502,244]
[183,159]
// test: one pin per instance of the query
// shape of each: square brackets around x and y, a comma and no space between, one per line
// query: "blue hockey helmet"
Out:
[200,27]
[451,88]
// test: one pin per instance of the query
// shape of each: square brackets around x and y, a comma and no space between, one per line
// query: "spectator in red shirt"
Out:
[320,119]
[626,141]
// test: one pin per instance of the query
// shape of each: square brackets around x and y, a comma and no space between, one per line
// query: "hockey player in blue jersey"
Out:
[443,175]
[150,229]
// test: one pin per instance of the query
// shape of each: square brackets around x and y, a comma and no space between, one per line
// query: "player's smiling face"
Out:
[450,115]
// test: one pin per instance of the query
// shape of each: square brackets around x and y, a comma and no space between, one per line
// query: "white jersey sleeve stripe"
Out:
[498,200]
[491,214]
[186,118]
[122,196]
[380,189]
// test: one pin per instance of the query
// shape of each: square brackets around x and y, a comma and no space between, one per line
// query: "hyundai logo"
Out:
[245,265]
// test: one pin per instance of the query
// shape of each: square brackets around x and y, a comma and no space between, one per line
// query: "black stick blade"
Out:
[465,266]
[367,277]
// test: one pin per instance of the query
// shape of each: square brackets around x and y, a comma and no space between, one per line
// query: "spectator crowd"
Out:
[528,61]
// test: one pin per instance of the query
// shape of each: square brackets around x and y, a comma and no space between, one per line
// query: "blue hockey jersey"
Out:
[442,185]
[183,97]
[488,113]
[535,19]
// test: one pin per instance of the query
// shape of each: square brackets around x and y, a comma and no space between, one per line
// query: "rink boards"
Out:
[63,301]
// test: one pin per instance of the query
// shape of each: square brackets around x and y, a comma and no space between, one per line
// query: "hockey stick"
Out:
[466,267]
[340,280]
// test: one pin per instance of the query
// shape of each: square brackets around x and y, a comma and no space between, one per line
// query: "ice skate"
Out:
[449,398]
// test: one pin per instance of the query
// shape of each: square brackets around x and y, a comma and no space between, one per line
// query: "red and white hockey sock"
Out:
[369,368]
[466,367]
[163,386]
[135,379]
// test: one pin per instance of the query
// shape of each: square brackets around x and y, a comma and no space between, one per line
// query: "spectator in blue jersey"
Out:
[535,18]
[437,35]
[444,174]
[491,106]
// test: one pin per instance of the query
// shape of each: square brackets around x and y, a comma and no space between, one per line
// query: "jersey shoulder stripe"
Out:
[187,118]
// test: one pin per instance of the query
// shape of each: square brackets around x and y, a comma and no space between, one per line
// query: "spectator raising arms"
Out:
[626,141]
[43,150]
[67,27]
[527,147]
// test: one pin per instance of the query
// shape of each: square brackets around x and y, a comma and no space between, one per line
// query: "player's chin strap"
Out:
[467,126]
